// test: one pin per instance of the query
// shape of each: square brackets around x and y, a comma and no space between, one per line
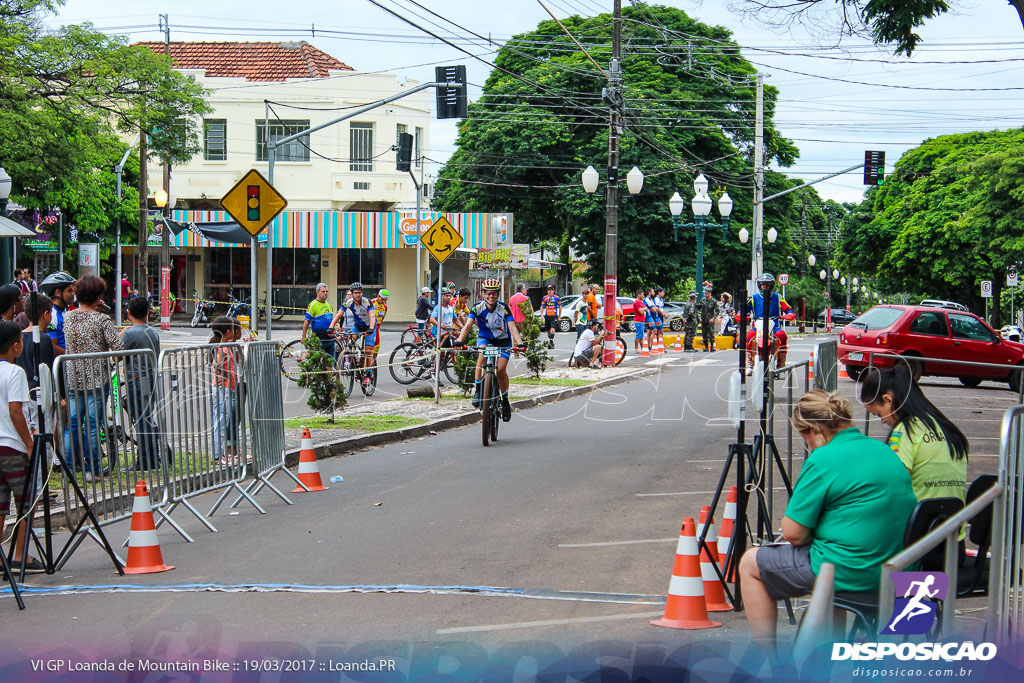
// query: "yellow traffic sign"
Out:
[441,239]
[253,202]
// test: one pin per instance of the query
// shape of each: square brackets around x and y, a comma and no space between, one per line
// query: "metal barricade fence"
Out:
[826,365]
[110,434]
[265,405]
[791,375]
[1006,584]
[205,423]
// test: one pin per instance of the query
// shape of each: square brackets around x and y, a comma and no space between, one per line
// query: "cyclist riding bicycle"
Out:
[319,315]
[495,328]
[364,321]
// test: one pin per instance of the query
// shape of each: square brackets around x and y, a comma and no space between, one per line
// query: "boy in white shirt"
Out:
[15,438]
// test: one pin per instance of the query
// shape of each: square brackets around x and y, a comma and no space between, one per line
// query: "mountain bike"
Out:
[490,397]
[351,365]
[412,334]
[410,361]
[276,312]
[294,352]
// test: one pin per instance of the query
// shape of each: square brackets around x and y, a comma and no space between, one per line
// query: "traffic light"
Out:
[404,157]
[253,203]
[452,103]
[874,168]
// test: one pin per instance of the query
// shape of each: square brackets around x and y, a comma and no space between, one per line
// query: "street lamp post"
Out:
[165,201]
[5,193]
[701,204]
[634,182]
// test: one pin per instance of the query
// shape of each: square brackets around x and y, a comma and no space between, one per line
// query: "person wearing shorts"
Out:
[659,301]
[551,304]
[639,321]
[380,308]
[853,518]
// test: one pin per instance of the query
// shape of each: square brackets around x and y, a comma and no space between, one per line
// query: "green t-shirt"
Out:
[857,499]
[582,308]
[924,452]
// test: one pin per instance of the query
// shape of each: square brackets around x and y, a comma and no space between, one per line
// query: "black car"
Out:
[840,316]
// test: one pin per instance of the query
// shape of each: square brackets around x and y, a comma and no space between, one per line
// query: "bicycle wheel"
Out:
[620,350]
[486,408]
[406,363]
[495,407]
[409,335]
[277,312]
[290,355]
[347,372]
[448,367]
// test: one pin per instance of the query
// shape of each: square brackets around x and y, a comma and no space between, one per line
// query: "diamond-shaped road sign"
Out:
[441,239]
[253,202]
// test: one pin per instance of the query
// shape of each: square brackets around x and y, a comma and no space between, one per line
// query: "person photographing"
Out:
[587,344]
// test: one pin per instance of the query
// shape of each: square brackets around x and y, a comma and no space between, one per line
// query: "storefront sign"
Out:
[514,256]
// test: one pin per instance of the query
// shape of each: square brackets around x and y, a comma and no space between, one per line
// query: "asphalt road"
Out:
[578,503]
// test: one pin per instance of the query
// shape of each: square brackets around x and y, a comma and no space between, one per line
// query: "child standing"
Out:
[15,438]
[225,381]
[140,373]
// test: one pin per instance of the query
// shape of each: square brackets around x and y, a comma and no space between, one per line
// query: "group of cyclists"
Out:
[451,317]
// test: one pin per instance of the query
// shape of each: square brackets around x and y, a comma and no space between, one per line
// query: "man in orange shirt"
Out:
[592,303]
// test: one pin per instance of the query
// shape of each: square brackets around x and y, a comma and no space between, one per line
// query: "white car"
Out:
[565,323]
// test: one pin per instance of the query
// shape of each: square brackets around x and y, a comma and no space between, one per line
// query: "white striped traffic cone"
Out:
[714,594]
[728,527]
[309,471]
[678,346]
[685,608]
[645,352]
[144,556]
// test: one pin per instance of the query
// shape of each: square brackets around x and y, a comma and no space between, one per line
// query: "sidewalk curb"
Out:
[347,445]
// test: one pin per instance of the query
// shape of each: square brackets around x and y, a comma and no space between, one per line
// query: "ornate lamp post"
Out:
[5,193]
[701,204]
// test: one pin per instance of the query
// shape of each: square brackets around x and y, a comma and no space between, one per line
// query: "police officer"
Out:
[690,313]
[708,313]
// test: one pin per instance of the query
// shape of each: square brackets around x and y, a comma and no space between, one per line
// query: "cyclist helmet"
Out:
[383,294]
[56,281]
[356,285]
[490,284]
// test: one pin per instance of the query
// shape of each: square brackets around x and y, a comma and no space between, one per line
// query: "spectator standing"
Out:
[580,314]
[318,317]
[551,305]
[87,330]
[422,309]
[140,377]
[15,439]
[708,313]
[27,277]
[725,306]
[852,517]
[594,310]
[691,312]
[639,321]
[60,287]
[19,281]
[515,302]
[37,311]
[225,382]
[10,302]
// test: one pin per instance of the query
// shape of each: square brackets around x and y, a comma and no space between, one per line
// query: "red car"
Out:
[928,332]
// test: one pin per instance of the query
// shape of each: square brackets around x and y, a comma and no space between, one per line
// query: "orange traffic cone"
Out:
[678,346]
[714,594]
[661,344]
[728,527]
[685,608]
[645,352]
[144,556]
[309,471]
[810,368]
[843,374]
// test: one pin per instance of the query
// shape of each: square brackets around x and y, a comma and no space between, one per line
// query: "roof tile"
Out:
[251,61]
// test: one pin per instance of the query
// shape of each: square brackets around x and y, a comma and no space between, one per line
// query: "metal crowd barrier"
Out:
[205,423]
[1006,584]
[265,406]
[110,433]
[789,375]
[826,365]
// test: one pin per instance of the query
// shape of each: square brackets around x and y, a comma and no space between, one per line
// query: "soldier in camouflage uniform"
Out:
[708,313]
[690,314]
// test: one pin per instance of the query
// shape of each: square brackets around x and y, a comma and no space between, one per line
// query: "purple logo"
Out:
[916,596]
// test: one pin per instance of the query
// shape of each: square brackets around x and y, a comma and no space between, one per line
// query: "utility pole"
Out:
[142,253]
[165,241]
[611,243]
[757,264]
[828,280]
[803,232]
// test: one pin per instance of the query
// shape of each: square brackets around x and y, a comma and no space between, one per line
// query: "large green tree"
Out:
[688,108]
[886,22]
[947,218]
[66,95]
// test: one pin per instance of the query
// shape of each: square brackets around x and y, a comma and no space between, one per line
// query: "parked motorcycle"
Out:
[204,311]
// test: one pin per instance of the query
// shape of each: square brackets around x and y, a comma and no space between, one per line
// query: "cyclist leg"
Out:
[783,348]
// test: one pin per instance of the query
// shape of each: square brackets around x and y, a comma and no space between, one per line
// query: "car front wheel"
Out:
[1014,380]
[564,325]
[970,381]
[854,371]
[676,324]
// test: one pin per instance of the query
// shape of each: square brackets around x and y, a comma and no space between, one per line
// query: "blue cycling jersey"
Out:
[492,325]
[360,315]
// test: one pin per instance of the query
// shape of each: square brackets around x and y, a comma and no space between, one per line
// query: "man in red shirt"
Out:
[518,298]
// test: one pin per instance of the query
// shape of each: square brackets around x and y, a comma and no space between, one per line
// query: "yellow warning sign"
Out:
[441,239]
[253,202]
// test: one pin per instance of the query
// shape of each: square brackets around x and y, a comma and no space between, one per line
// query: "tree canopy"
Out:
[688,108]
[886,22]
[947,218]
[64,97]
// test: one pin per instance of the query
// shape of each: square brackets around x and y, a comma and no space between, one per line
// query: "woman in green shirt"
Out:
[849,507]
[928,444]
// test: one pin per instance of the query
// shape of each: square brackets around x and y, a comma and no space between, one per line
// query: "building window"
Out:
[360,265]
[215,139]
[401,128]
[296,150]
[360,186]
[360,142]
[296,273]
[227,271]
[418,151]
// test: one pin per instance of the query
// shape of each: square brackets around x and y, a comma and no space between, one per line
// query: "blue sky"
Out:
[834,103]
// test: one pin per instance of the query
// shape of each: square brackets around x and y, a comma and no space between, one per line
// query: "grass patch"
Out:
[553,381]
[360,423]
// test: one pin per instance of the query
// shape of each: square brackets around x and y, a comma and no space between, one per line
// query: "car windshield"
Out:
[878,318]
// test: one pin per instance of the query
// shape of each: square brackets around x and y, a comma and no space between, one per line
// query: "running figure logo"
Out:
[914,612]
